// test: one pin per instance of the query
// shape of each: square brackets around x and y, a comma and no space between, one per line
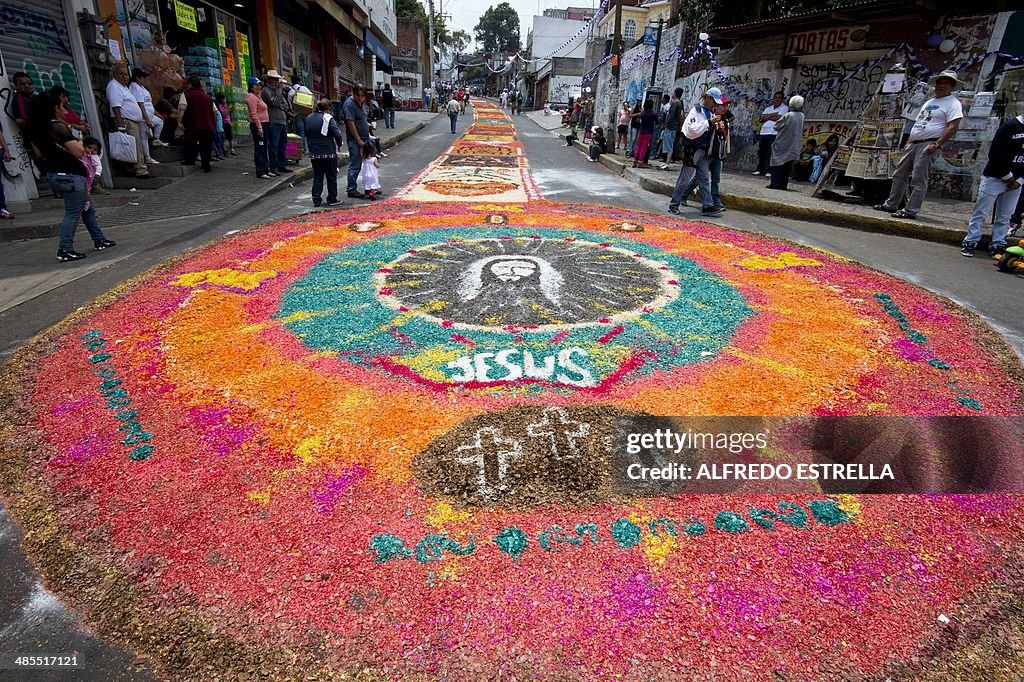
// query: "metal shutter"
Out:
[35,40]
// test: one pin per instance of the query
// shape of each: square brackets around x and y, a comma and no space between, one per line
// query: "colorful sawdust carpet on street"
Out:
[361,440]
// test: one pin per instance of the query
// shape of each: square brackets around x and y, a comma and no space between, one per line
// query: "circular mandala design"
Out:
[492,307]
[527,282]
[252,454]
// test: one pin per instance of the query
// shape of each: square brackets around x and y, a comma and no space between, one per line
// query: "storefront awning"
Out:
[374,45]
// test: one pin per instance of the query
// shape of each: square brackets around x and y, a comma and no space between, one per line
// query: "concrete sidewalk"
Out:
[941,220]
[233,182]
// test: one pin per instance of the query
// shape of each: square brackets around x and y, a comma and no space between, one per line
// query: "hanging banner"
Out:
[185,15]
[220,36]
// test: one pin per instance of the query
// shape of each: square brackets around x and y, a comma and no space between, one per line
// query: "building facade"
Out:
[329,44]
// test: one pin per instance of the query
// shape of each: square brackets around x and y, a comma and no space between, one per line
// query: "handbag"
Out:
[121,146]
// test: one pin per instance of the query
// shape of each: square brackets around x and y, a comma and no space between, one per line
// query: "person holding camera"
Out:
[700,133]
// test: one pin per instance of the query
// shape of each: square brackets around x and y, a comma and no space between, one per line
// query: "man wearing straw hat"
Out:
[936,124]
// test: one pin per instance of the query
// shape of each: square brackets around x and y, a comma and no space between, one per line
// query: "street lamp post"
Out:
[613,91]
[657,49]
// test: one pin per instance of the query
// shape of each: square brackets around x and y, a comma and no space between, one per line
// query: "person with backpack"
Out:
[300,99]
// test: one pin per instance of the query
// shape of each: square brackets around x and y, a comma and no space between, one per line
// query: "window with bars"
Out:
[629,32]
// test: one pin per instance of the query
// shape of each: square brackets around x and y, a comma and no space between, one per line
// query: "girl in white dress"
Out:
[371,180]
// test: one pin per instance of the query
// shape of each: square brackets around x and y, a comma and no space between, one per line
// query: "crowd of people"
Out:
[69,157]
[62,146]
[650,130]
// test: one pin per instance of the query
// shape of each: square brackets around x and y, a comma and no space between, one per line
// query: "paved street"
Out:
[37,293]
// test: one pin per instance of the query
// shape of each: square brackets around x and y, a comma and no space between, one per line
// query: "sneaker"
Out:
[756,173]
[151,160]
[271,175]
[65,256]
[712,211]
[673,209]
[355,195]
[996,249]
[285,170]
[383,155]
[5,214]
[883,207]
[663,166]
[156,143]
[336,202]
[371,195]
[967,251]
[265,176]
[103,244]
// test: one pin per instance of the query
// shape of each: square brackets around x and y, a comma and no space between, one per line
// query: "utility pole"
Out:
[613,91]
[430,30]
[657,49]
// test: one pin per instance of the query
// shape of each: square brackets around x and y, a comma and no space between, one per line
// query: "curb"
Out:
[757,206]
[301,173]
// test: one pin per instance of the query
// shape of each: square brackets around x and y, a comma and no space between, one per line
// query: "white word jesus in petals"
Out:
[513,365]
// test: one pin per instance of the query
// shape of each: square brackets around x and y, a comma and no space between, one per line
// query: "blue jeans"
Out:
[668,143]
[992,193]
[300,128]
[259,150]
[454,118]
[715,170]
[277,139]
[355,164]
[701,167]
[389,117]
[72,189]
[817,165]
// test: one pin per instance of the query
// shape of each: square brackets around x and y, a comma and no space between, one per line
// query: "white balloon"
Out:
[703,36]
[946,46]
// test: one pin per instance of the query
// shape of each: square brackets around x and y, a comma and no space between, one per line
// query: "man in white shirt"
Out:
[936,124]
[154,124]
[769,117]
[453,108]
[129,114]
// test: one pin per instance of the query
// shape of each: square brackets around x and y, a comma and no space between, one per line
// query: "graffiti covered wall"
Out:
[760,79]
[34,40]
[635,75]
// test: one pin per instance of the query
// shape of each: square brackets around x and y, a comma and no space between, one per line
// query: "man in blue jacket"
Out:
[1000,187]
[323,137]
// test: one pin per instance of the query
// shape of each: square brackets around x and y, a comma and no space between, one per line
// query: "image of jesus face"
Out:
[513,270]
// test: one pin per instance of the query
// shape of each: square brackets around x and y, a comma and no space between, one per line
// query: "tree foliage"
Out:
[498,29]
